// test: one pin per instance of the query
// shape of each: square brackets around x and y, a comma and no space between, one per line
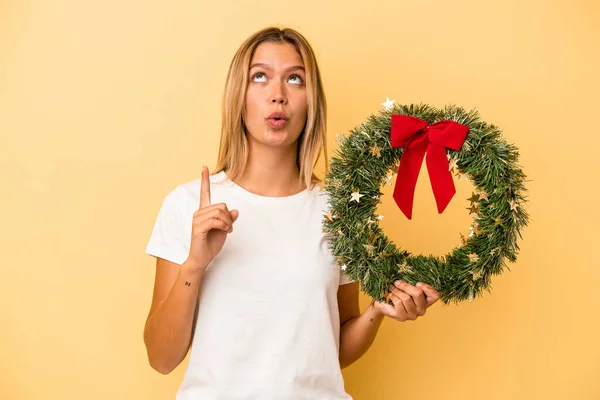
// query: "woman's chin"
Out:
[278,137]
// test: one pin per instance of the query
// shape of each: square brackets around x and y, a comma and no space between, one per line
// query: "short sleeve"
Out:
[168,239]
[344,278]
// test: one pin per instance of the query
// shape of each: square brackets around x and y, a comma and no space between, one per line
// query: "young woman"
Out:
[244,275]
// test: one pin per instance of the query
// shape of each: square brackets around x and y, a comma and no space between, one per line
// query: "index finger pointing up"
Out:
[204,188]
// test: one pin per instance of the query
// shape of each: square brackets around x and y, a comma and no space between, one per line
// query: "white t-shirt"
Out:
[268,323]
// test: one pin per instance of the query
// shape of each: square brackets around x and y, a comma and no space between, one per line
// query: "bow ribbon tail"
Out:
[444,134]
[408,173]
[440,177]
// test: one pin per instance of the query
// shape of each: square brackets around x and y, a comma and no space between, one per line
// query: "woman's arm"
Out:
[169,327]
[358,334]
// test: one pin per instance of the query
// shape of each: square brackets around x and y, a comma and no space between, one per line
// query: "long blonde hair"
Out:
[233,148]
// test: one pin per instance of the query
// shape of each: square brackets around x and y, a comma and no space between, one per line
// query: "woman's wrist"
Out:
[193,266]
[374,311]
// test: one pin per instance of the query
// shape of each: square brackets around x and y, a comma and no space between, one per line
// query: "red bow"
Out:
[418,137]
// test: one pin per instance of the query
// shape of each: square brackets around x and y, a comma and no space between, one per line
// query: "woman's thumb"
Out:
[234,214]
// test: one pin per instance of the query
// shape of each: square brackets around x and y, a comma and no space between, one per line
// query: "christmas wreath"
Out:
[395,141]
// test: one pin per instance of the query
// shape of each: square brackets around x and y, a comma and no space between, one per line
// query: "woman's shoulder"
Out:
[322,196]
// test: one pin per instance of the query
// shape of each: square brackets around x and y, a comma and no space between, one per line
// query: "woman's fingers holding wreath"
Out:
[411,298]
[416,294]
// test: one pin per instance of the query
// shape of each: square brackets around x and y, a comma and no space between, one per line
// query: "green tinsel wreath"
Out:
[365,160]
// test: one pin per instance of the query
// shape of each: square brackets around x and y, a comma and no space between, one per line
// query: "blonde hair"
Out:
[233,148]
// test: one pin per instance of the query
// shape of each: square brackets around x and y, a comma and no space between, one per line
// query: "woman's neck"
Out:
[272,173]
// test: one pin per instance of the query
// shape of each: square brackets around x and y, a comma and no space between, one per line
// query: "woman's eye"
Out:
[299,79]
[256,75]
[261,77]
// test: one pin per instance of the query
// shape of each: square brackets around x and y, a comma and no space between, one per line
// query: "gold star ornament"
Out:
[370,248]
[339,138]
[476,274]
[402,268]
[376,151]
[462,177]
[329,216]
[388,103]
[474,197]
[356,196]
[452,165]
[473,209]
[482,195]
[388,178]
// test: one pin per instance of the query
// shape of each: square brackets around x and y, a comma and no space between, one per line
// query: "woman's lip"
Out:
[277,114]
[276,123]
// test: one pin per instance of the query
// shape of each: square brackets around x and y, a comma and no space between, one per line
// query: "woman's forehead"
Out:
[276,55]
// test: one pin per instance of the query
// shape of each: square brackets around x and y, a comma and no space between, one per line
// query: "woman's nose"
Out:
[277,95]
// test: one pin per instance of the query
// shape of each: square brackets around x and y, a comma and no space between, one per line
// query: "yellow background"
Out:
[107,106]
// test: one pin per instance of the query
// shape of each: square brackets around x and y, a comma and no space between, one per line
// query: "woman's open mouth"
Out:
[276,123]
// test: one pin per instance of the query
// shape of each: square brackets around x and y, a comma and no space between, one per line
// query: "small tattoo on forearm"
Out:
[188,283]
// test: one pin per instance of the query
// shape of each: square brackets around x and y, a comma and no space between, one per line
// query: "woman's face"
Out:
[276,85]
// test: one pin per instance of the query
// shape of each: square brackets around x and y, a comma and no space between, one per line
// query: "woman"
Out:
[244,274]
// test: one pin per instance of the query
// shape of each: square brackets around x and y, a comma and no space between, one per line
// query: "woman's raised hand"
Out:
[210,226]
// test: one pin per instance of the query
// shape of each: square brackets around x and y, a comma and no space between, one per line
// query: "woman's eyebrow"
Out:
[267,66]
